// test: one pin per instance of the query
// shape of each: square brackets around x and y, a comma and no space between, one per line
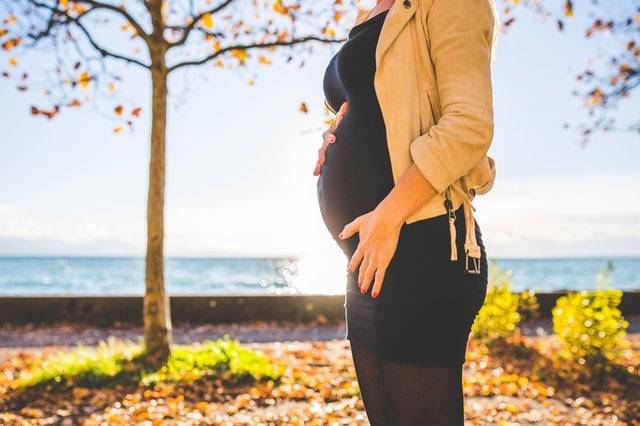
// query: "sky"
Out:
[240,161]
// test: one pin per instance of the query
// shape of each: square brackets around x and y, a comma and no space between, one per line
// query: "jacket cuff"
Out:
[428,163]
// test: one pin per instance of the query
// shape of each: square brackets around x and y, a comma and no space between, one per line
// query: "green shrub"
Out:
[498,318]
[117,362]
[589,325]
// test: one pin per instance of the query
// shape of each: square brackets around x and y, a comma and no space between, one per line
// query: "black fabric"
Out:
[396,394]
[424,312]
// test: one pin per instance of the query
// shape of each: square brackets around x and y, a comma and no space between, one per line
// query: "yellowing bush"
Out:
[590,325]
[499,315]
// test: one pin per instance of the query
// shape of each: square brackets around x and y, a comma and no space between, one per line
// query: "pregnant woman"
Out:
[398,169]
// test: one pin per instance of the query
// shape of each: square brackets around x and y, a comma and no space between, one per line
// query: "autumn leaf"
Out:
[303,108]
[112,87]
[568,9]
[10,20]
[118,110]
[329,31]
[74,103]
[84,80]
[117,129]
[240,54]
[136,112]
[277,6]
[264,60]
[3,32]
[207,21]
[12,61]
[11,43]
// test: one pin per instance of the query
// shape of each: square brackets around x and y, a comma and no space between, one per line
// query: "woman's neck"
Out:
[381,6]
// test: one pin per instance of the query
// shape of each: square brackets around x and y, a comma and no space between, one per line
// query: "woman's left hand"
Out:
[378,241]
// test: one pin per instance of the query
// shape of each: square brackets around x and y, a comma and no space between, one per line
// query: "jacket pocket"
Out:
[429,110]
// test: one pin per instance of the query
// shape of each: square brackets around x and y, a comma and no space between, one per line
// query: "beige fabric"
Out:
[433,83]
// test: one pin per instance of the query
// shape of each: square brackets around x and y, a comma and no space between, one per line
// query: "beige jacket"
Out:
[433,83]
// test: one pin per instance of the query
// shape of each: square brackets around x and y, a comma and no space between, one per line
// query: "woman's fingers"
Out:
[339,116]
[365,275]
[379,279]
[328,138]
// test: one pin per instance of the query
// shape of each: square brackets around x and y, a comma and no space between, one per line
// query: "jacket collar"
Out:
[399,14]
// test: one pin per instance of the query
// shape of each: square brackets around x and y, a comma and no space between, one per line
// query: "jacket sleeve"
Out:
[460,34]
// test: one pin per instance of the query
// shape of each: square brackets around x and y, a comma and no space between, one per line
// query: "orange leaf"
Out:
[21,88]
[207,20]
[277,6]
[264,60]
[12,61]
[117,129]
[11,43]
[78,8]
[84,80]
[118,110]
[74,103]
[3,32]
[568,9]
[240,54]
[303,108]
[136,112]
[112,87]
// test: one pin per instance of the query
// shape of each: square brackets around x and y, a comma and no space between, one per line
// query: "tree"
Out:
[161,37]
[614,76]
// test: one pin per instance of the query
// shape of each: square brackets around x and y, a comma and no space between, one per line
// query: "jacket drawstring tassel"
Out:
[472,250]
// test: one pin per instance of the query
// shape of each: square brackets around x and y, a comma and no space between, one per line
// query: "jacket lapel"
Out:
[395,21]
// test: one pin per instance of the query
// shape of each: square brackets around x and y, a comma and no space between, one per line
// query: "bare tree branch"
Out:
[122,12]
[103,51]
[186,31]
[252,47]
[77,21]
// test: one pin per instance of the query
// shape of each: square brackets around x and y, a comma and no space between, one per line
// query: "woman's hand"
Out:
[379,233]
[329,138]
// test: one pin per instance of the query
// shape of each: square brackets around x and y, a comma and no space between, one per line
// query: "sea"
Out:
[111,276]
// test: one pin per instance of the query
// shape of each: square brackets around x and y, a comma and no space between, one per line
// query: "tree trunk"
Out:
[157,315]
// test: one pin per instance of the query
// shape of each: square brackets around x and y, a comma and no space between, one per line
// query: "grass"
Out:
[117,362]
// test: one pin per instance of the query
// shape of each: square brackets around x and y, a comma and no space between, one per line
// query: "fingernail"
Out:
[363,290]
[340,235]
[374,294]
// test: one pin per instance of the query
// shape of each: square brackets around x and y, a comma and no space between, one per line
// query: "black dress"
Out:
[427,304]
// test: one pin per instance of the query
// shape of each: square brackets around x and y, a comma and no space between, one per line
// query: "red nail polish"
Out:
[363,290]
[374,294]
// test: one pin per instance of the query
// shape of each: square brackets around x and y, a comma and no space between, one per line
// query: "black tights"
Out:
[396,394]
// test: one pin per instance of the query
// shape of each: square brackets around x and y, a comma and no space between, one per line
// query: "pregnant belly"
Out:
[356,175]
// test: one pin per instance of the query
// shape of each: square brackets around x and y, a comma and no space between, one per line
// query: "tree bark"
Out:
[157,315]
